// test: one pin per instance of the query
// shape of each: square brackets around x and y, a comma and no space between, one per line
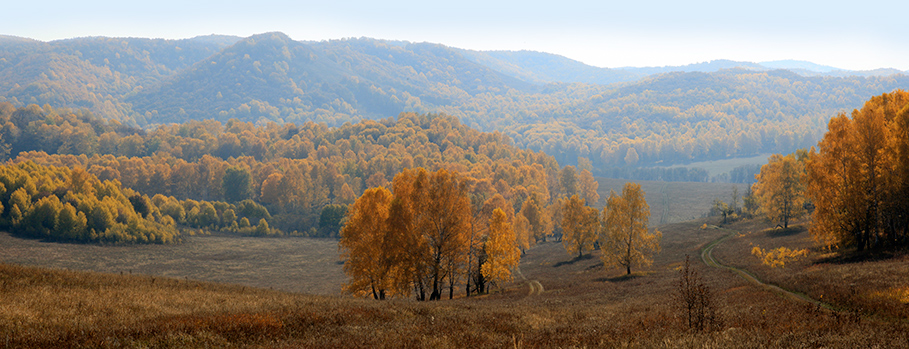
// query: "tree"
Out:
[502,254]
[626,241]
[721,208]
[857,179]
[694,298]
[237,184]
[588,187]
[631,157]
[568,180]
[780,189]
[537,218]
[446,225]
[580,225]
[522,232]
[262,228]
[330,219]
[363,245]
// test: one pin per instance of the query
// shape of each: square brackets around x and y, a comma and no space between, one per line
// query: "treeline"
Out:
[668,174]
[858,178]
[855,183]
[305,175]
[70,204]
[59,203]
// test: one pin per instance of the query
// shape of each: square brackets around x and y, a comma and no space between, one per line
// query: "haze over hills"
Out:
[710,110]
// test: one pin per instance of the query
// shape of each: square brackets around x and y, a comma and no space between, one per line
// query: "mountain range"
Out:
[543,101]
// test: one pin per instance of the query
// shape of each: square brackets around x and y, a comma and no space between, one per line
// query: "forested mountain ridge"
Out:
[542,68]
[334,82]
[95,72]
[675,117]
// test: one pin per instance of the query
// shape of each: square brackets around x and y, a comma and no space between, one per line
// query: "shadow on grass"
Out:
[781,232]
[624,277]
[852,256]
[573,260]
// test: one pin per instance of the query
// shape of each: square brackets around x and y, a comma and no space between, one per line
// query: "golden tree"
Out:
[588,187]
[446,225]
[537,217]
[626,241]
[502,254]
[580,225]
[858,179]
[431,216]
[780,188]
[369,257]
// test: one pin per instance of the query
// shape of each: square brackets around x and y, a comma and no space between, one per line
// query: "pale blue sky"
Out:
[844,34]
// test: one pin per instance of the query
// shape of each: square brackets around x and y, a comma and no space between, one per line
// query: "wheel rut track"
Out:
[707,257]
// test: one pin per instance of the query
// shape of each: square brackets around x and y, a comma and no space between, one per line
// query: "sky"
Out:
[845,34]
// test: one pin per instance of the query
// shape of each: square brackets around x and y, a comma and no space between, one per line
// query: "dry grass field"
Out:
[872,283]
[674,202]
[581,304]
[287,264]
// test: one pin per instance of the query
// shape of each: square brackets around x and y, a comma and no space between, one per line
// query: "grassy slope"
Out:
[873,283]
[583,305]
[673,202]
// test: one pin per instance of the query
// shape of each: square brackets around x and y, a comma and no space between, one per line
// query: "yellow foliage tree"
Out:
[580,225]
[626,241]
[588,187]
[502,254]
[537,217]
[780,189]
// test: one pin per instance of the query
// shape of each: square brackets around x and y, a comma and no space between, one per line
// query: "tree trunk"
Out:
[628,270]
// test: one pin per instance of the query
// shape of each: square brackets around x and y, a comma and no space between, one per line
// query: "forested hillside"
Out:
[271,77]
[696,113]
[296,177]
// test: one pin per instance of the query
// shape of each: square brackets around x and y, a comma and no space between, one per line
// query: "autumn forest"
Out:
[463,177]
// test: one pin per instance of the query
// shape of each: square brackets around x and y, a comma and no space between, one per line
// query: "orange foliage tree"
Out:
[858,178]
[502,253]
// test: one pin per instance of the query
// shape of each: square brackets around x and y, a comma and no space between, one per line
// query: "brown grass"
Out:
[871,283]
[288,264]
[583,305]
[674,202]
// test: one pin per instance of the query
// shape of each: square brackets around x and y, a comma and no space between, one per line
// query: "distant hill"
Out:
[272,77]
[799,65]
[543,68]
[703,67]
[703,111]
[96,72]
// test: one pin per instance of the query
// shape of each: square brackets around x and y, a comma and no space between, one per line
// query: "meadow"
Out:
[581,303]
[674,202]
[301,265]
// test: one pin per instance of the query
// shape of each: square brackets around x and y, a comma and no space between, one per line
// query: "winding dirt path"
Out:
[707,257]
[536,288]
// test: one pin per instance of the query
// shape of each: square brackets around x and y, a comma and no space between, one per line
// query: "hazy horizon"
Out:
[603,34]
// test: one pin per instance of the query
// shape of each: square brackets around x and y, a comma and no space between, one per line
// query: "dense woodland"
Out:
[297,178]
[854,184]
[674,117]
